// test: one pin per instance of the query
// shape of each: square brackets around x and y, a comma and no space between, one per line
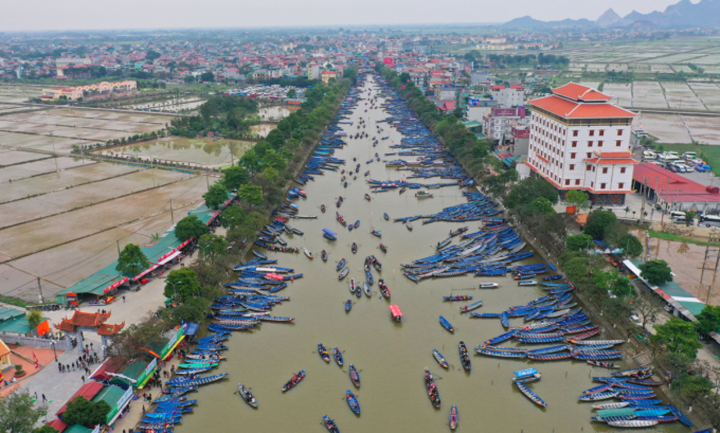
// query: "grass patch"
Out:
[678,238]
[13,301]
[709,154]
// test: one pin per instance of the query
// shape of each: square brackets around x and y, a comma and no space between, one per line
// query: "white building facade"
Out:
[508,97]
[578,140]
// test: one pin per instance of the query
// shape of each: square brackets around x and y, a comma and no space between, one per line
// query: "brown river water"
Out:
[390,356]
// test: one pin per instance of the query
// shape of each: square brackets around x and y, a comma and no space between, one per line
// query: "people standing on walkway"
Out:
[83,378]
[43,397]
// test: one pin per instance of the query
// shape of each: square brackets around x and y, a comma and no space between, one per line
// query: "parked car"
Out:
[689,155]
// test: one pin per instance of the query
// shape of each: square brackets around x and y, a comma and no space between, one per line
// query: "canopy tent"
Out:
[117,398]
[169,257]
[329,232]
[395,311]
[191,328]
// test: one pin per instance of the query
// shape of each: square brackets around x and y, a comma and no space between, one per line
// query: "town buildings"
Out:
[578,140]
[73,93]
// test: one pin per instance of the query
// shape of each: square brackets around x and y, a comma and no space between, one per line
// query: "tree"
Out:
[578,242]
[211,247]
[216,196]
[132,261]
[45,429]
[692,387]
[251,161]
[613,282]
[251,194]
[708,320]
[689,217]
[84,412]
[292,94]
[647,307]
[235,176]
[232,217]
[18,413]
[578,199]
[207,76]
[152,55]
[189,79]
[193,310]
[656,272]
[598,220]
[539,206]
[528,190]
[190,227]
[34,318]
[181,284]
[678,336]
[631,244]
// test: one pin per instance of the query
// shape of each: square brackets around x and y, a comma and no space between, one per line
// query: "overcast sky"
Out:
[20,15]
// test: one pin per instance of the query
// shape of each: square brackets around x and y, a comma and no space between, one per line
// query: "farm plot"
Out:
[709,93]
[55,118]
[179,149]
[668,128]
[12,157]
[35,168]
[681,97]
[621,93]
[704,130]
[662,68]
[648,94]
[41,142]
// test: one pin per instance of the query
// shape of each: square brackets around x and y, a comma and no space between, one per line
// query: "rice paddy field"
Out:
[10,93]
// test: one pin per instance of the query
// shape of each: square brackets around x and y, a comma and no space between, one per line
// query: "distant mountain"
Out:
[608,18]
[683,14]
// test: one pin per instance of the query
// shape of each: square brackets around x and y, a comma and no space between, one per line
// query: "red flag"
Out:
[35,360]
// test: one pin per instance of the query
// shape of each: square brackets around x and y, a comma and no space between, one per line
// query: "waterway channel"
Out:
[390,356]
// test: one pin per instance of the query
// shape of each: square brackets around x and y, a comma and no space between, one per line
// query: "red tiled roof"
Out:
[615,154]
[580,93]
[603,161]
[672,186]
[110,329]
[517,87]
[58,425]
[89,390]
[497,87]
[89,320]
[573,110]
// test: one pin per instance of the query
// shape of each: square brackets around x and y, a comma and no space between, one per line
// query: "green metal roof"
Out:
[472,124]
[7,313]
[17,325]
[110,395]
[77,428]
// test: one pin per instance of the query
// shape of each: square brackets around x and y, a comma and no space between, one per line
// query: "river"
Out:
[390,356]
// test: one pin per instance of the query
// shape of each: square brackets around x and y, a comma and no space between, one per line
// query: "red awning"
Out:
[115,285]
[145,272]
[111,365]
[274,276]
[89,390]
[58,425]
[395,310]
[212,218]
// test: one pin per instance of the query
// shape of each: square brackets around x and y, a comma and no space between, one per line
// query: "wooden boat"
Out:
[527,283]
[499,338]
[466,308]
[527,375]
[308,253]
[423,194]
[322,208]
[598,356]
[457,298]
[446,324]
[386,216]
[198,365]
[489,285]
[613,342]
[583,336]
[348,305]
[354,248]
[367,197]
[432,390]
[550,357]
[323,255]
[376,233]
[602,364]
[369,276]
[488,351]
[354,376]
[384,289]
[338,356]
[607,406]
[323,353]
[680,416]
[632,423]
[352,402]
[598,396]
[247,395]
[464,358]
[531,395]
[383,248]
[453,417]
[259,255]
[548,350]
[292,383]
[440,359]
[366,289]
[330,424]
[343,273]
[644,382]
[200,380]
[408,226]
[640,371]
[340,264]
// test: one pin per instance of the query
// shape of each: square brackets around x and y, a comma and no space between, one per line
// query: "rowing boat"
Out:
[464,358]
[366,289]
[354,376]
[453,417]
[338,356]
[352,402]
[330,424]
[308,253]
[527,283]
[457,298]
[486,350]
[247,395]
[446,324]
[341,264]
[471,307]
[601,364]
[598,396]
[550,357]
[292,383]
[531,395]
[432,390]
[440,359]
[343,273]
[632,423]
[323,353]
[348,305]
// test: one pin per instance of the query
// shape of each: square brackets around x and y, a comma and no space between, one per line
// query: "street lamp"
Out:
[53,342]
[174,286]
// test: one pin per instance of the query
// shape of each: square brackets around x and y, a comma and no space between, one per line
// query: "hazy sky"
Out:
[135,14]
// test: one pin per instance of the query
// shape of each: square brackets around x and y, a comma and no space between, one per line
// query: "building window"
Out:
[574,144]
[602,186]
[575,133]
[572,156]
[600,143]
[602,132]
[622,169]
[605,170]
[618,143]
[590,143]
[621,185]
[620,131]
[592,184]
[572,166]
[592,132]
[577,181]
[589,155]
[567,182]
[589,167]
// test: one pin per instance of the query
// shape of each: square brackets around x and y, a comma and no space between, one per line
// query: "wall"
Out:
[44,343]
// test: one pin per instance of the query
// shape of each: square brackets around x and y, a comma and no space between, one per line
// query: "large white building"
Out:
[578,140]
[508,97]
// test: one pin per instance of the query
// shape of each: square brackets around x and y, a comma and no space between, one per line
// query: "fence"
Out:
[43,343]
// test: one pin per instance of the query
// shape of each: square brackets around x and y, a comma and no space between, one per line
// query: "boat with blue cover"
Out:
[330,424]
[352,402]
[526,375]
[348,305]
[341,264]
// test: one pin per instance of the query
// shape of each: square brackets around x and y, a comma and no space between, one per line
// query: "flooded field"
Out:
[174,105]
[207,152]
[390,356]
[262,129]
[276,112]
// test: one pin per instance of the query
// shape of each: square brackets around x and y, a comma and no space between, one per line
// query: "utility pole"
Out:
[711,249]
[232,149]
[172,217]
[118,247]
[52,138]
[207,181]
[42,299]
[644,197]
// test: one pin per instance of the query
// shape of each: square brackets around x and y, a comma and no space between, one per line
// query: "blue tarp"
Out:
[330,232]
[191,328]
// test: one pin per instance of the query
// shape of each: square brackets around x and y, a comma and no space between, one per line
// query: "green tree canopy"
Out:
[132,261]
[292,94]
[84,412]
[656,272]
[152,55]
[577,198]
[212,247]
[528,190]
[579,242]
[181,283]
[18,413]
[614,282]
[692,387]
[34,318]
[539,206]
[216,195]
[190,227]
[678,336]
[207,76]
[251,194]
[232,217]
[45,429]
[598,220]
[708,320]
[250,161]
[631,245]
[235,176]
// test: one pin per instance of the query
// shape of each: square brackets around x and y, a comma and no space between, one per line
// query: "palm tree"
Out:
[627,209]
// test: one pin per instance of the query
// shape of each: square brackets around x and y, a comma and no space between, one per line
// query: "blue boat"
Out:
[352,402]
[551,266]
[531,395]
[369,277]
[386,217]
[500,338]
[348,305]
[357,224]
[329,234]
[341,264]
[680,416]
[446,324]
[490,351]
[260,255]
